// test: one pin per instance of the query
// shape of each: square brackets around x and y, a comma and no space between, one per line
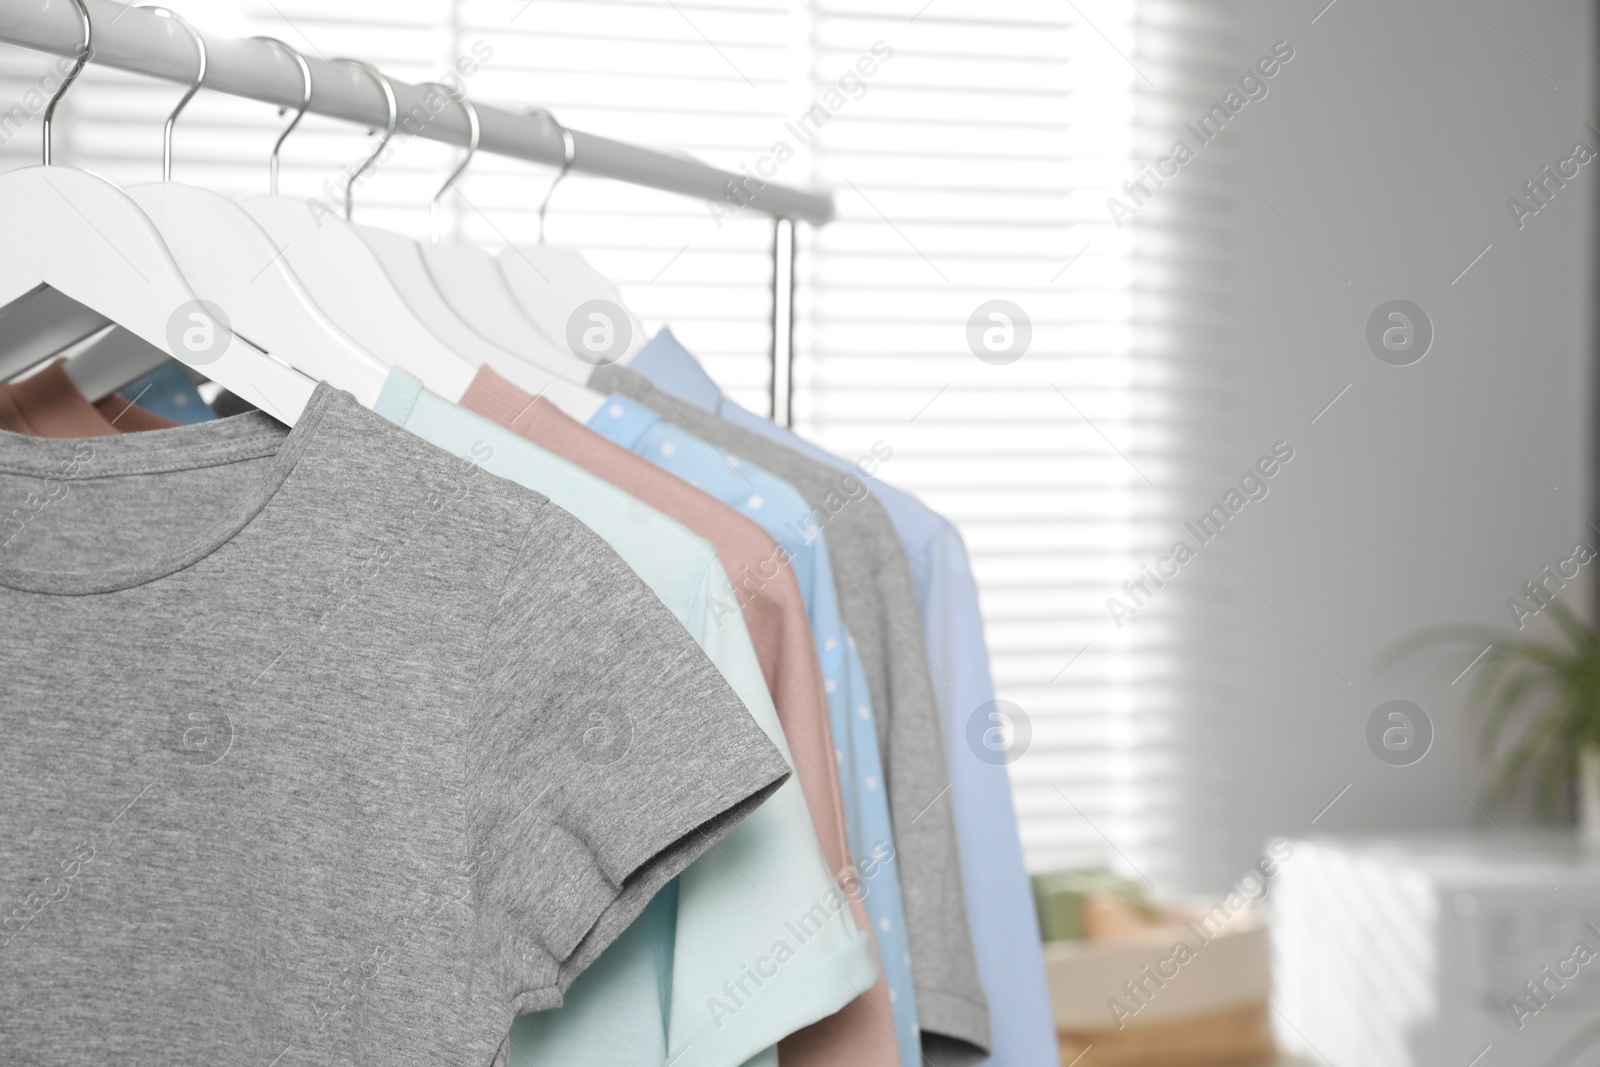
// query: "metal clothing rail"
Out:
[143,42]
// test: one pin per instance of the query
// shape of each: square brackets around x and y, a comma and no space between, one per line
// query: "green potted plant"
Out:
[1537,702]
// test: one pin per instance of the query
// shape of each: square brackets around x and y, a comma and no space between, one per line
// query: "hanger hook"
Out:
[437,202]
[83,58]
[305,103]
[569,152]
[199,79]
[394,115]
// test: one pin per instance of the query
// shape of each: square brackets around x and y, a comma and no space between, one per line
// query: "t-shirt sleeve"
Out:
[606,755]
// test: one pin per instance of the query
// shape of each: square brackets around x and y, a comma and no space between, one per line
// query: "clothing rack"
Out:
[143,42]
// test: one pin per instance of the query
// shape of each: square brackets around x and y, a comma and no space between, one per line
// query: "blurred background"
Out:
[1369,270]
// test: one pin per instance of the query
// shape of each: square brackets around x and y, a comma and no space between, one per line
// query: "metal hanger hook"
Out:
[473,130]
[77,68]
[394,116]
[199,80]
[569,152]
[305,102]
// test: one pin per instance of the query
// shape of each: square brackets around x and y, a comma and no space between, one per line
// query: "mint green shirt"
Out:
[744,915]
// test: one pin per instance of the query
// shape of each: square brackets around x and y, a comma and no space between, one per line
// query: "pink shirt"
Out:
[774,613]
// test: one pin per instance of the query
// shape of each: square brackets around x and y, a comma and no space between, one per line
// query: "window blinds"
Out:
[972,148]
[978,167]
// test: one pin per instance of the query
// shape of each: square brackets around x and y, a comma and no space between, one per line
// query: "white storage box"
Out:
[1433,951]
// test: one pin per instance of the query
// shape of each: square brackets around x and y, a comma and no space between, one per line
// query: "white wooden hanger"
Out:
[401,260]
[575,399]
[242,272]
[341,272]
[555,285]
[83,237]
[471,283]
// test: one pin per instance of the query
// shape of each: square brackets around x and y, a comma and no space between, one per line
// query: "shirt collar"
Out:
[672,369]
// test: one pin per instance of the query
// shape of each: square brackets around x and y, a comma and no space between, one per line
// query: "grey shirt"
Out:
[879,603]
[326,747]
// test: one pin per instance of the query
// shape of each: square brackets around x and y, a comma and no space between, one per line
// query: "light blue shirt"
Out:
[779,509]
[676,986]
[1005,928]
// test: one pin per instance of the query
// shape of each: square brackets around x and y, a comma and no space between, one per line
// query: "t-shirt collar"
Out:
[252,435]
[671,368]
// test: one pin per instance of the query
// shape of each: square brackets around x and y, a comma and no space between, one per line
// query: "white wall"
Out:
[1392,143]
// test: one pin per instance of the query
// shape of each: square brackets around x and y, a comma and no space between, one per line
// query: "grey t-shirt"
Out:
[879,602]
[326,747]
